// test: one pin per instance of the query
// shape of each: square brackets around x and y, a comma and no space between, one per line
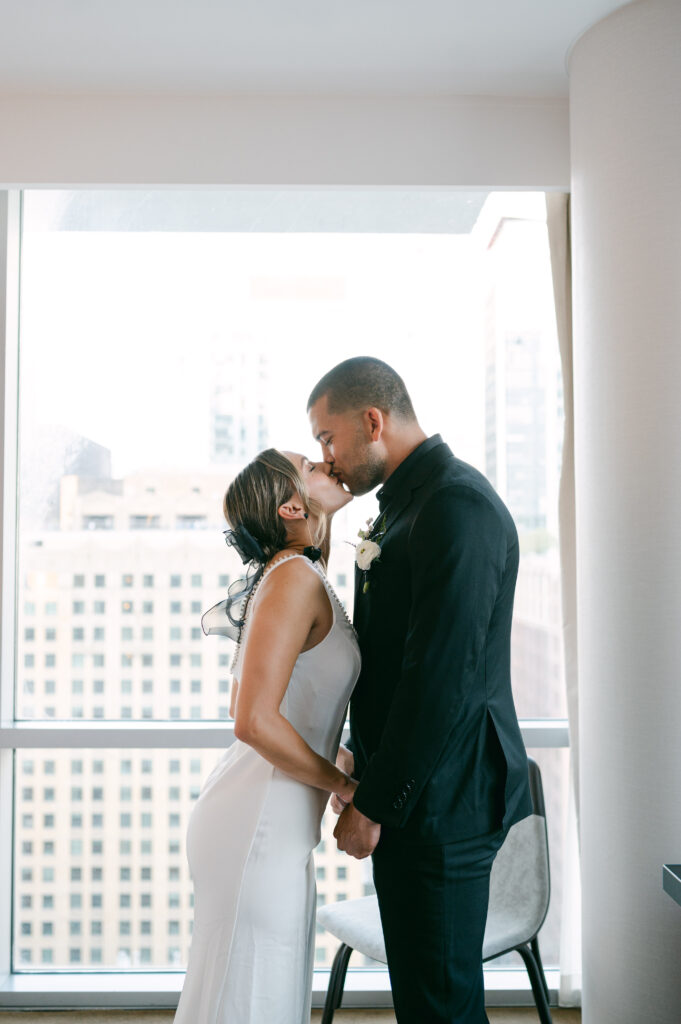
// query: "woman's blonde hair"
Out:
[256,493]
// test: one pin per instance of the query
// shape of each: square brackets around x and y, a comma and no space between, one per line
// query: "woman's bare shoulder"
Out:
[285,573]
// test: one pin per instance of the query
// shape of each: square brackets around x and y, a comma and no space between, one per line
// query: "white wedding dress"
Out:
[250,839]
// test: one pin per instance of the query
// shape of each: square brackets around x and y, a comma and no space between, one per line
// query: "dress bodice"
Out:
[323,677]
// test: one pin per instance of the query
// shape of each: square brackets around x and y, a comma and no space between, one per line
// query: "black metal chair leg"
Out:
[334,993]
[535,949]
[538,986]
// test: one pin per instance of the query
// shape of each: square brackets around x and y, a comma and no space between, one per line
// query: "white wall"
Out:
[467,142]
[625,99]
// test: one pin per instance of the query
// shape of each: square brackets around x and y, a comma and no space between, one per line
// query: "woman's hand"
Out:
[345,762]
[344,794]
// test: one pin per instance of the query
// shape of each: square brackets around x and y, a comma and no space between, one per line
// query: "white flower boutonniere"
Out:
[368,549]
[365,552]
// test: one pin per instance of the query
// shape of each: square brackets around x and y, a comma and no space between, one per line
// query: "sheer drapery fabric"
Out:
[558,224]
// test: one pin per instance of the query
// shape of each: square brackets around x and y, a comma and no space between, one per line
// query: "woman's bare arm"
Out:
[287,606]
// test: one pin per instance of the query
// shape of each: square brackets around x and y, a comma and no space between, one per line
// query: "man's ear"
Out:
[291,509]
[374,423]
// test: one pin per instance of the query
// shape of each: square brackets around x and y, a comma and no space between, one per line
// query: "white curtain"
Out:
[558,223]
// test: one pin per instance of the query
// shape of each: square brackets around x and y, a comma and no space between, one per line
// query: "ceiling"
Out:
[468,47]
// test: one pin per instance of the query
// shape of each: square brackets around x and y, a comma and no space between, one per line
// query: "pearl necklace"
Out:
[317,567]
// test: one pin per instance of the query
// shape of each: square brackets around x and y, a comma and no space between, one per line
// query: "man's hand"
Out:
[345,760]
[356,834]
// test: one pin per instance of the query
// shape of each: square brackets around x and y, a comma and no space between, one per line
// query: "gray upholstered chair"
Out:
[518,904]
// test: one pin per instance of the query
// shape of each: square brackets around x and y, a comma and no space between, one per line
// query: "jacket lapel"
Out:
[435,458]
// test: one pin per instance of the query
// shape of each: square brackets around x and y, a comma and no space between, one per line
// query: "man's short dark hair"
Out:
[362,382]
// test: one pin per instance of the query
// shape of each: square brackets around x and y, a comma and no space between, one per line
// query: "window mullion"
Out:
[538,733]
[10,242]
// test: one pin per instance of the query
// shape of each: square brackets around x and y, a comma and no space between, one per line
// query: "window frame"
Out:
[45,988]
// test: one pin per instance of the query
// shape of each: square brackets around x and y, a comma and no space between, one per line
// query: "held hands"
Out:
[355,834]
[345,761]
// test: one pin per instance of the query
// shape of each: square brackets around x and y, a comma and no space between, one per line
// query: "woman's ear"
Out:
[291,509]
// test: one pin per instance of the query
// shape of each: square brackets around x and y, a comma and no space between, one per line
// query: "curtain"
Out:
[558,224]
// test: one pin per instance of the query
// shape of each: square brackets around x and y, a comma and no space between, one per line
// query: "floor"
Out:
[496,1016]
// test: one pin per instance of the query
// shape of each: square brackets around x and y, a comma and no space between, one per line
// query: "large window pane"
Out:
[165,339]
[159,352]
[101,876]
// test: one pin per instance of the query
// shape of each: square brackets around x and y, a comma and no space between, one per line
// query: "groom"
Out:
[434,736]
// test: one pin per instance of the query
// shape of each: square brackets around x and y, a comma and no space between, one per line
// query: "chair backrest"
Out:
[520,884]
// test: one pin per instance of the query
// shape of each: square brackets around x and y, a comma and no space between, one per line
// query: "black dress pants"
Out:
[433,902]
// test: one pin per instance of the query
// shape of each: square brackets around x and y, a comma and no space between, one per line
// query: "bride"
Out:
[257,819]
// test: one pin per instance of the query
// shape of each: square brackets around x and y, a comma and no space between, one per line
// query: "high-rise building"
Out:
[47,454]
[110,604]
[238,426]
[523,383]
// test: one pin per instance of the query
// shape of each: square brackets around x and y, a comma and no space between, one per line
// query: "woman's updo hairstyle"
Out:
[256,493]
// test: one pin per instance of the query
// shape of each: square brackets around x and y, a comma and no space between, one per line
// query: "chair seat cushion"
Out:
[519,897]
[357,923]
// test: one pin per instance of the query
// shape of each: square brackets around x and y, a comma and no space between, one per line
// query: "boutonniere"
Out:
[369,549]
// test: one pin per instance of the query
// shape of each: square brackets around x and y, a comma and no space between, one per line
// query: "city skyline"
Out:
[111,593]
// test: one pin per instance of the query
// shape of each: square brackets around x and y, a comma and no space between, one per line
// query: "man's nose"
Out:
[328,458]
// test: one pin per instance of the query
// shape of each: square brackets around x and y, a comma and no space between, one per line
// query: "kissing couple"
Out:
[435,770]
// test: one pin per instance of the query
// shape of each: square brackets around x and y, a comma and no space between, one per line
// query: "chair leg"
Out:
[538,984]
[334,993]
[534,945]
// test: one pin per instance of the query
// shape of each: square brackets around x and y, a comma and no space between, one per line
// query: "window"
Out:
[134,531]
[98,522]
[145,522]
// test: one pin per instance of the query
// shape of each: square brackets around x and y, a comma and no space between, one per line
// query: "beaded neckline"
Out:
[318,569]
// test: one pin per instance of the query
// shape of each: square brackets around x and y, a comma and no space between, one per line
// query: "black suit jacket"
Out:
[433,728]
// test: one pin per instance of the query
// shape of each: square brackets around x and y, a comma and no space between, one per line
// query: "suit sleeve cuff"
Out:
[391,808]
